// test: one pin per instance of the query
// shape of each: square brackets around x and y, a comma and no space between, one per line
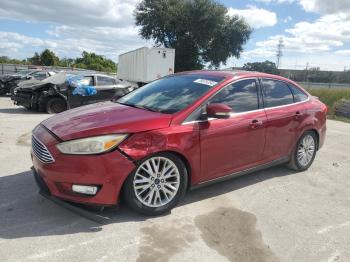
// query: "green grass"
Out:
[331,96]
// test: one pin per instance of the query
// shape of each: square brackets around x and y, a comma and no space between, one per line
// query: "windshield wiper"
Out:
[139,107]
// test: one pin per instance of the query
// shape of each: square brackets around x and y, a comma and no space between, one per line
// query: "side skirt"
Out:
[276,162]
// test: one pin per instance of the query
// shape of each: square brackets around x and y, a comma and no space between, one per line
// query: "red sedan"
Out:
[177,133]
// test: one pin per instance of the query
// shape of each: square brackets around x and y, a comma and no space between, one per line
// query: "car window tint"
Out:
[241,96]
[298,94]
[105,81]
[276,93]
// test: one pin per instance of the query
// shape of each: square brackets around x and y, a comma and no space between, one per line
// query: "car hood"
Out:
[32,83]
[7,78]
[104,118]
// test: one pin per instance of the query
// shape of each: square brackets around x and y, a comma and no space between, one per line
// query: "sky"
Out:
[315,33]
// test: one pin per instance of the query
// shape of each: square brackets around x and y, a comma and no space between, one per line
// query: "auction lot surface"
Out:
[273,215]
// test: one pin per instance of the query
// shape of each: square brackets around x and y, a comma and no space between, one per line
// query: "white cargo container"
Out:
[145,64]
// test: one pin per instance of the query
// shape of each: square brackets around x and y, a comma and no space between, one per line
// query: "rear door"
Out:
[284,116]
[105,87]
[79,100]
[229,145]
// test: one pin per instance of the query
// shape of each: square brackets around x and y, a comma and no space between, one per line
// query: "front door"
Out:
[230,145]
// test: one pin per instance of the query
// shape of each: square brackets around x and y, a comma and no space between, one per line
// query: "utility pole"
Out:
[279,53]
[307,72]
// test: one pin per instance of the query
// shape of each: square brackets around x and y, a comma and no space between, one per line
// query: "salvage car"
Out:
[177,133]
[9,82]
[65,91]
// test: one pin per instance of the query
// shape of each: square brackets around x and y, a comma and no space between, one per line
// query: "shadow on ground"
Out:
[25,213]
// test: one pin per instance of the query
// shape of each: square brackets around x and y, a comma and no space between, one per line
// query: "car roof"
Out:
[235,74]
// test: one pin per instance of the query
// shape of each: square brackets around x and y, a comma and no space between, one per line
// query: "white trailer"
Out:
[145,64]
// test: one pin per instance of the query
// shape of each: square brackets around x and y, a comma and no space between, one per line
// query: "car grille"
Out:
[41,151]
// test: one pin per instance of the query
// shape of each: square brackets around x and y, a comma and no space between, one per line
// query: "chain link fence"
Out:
[9,69]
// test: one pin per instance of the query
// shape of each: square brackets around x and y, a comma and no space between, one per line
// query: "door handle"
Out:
[256,124]
[298,115]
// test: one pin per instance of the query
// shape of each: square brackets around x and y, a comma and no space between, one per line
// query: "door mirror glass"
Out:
[218,110]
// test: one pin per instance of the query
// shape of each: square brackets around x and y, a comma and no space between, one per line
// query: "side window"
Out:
[276,93]
[241,96]
[87,81]
[298,94]
[105,81]
[39,75]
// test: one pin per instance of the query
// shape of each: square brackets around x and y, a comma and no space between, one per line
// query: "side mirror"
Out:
[217,110]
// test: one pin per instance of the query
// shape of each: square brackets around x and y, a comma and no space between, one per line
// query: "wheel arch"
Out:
[316,133]
[179,155]
[44,99]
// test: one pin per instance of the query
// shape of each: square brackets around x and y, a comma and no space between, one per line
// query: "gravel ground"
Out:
[272,215]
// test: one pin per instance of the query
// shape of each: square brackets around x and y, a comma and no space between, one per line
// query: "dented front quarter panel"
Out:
[182,140]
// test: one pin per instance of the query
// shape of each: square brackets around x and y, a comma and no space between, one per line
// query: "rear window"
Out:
[276,93]
[299,95]
[171,94]
[105,81]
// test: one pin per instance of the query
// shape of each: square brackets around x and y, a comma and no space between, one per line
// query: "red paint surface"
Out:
[210,149]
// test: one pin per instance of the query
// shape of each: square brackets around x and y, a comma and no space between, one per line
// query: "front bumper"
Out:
[22,99]
[107,171]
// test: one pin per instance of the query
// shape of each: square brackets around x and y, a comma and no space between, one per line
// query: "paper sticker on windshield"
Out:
[205,82]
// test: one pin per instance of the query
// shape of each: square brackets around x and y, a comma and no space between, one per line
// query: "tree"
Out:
[34,60]
[200,31]
[48,58]
[264,67]
[95,62]
[66,62]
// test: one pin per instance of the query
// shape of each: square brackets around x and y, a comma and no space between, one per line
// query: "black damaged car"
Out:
[9,82]
[65,91]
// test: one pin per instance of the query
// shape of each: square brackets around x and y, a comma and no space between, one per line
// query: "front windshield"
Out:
[171,94]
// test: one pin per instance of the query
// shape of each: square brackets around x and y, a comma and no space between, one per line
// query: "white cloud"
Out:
[326,6]
[255,17]
[343,52]
[105,27]
[312,41]
[275,1]
[116,13]
[73,40]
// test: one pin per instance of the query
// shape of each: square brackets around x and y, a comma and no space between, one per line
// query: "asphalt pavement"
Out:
[271,215]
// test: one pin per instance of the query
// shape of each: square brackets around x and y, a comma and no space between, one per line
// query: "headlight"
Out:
[91,145]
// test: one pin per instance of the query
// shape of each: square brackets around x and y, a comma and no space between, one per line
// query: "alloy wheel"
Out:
[156,181]
[306,150]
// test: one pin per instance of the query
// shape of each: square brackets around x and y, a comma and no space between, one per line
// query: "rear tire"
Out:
[156,185]
[304,153]
[56,105]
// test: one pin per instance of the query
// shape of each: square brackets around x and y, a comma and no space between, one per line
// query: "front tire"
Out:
[55,105]
[157,184]
[304,152]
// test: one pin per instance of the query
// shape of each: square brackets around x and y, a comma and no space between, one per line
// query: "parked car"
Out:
[65,90]
[9,82]
[177,133]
